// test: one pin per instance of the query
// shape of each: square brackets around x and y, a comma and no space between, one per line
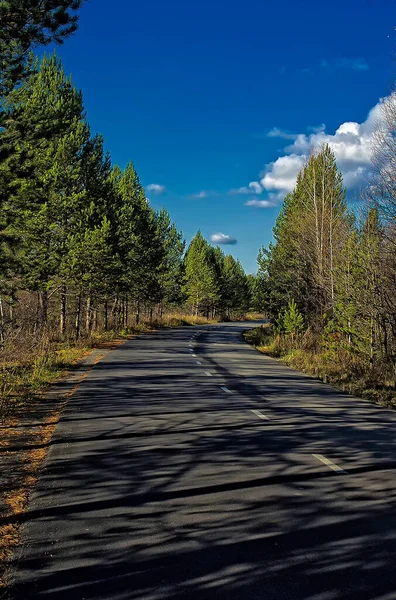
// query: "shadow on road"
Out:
[160,486]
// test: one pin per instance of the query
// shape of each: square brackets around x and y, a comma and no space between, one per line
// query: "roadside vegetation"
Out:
[328,281]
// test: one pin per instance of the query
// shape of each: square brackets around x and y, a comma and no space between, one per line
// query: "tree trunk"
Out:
[114,312]
[138,312]
[78,316]
[88,316]
[123,313]
[62,321]
[1,324]
[106,315]
[12,303]
[43,304]
[126,312]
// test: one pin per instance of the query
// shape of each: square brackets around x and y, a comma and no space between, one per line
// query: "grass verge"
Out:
[336,365]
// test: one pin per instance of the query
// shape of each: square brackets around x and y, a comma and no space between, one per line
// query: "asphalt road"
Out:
[188,465]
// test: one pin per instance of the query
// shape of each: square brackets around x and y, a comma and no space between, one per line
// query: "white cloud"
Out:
[201,194]
[279,133]
[253,187]
[281,174]
[261,203]
[351,144]
[356,64]
[221,238]
[156,188]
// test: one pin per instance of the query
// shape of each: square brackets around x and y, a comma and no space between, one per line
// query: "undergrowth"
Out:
[335,365]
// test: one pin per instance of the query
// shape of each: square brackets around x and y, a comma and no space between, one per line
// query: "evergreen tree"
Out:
[25,24]
[42,175]
[169,273]
[201,286]
[237,297]
[292,319]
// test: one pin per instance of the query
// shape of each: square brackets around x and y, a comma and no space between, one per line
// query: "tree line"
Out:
[80,246]
[328,280]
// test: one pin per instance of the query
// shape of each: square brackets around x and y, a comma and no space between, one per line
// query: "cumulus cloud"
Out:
[356,64]
[253,187]
[221,238]
[261,203]
[156,188]
[351,144]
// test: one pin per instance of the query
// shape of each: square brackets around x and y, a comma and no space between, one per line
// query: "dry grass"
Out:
[337,366]
[19,470]
[254,316]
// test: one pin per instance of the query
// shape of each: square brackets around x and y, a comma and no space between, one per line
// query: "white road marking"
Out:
[199,363]
[226,390]
[260,414]
[329,463]
[208,374]
[191,350]
[194,355]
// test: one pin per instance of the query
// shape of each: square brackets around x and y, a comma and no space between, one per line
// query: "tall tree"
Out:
[169,271]
[309,233]
[25,24]
[201,287]
[237,296]
[43,190]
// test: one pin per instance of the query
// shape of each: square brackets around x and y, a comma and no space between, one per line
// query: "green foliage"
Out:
[309,234]
[25,24]
[293,321]
[290,320]
[201,285]
[215,284]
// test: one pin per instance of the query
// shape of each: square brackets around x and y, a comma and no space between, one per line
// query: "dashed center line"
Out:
[226,390]
[194,355]
[329,463]
[199,363]
[208,374]
[261,415]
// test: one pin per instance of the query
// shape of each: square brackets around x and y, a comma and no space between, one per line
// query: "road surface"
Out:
[188,465]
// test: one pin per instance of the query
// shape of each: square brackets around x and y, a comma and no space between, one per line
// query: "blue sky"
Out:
[207,98]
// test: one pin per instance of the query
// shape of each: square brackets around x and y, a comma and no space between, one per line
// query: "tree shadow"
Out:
[157,485]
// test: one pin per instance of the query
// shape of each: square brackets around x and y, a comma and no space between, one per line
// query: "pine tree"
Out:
[237,292]
[201,287]
[138,239]
[292,321]
[43,190]
[25,24]
[169,273]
